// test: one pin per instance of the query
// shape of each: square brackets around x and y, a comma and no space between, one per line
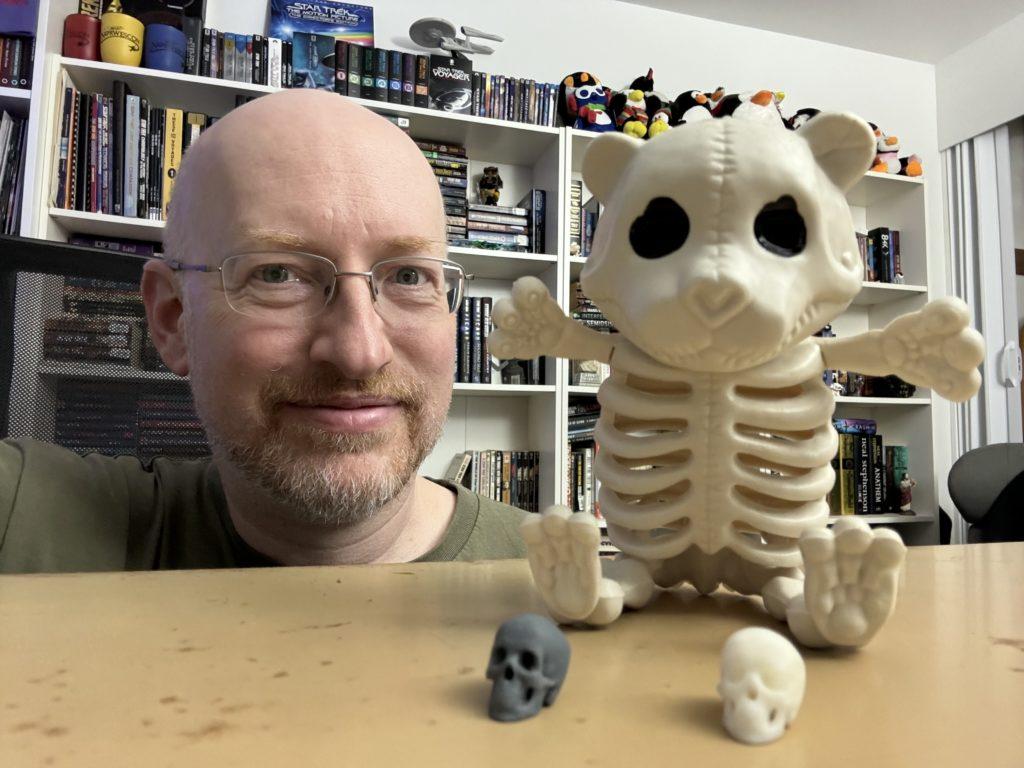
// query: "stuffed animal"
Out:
[691,107]
[660,122]
[799,118]
[592,108]
[568,106]
[630,107]
[887,159]
[490,185]
[716,426]
[759,106]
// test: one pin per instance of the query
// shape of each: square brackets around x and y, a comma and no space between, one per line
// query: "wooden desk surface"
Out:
[384,665]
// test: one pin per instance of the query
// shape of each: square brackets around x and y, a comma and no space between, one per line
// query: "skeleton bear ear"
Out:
[606,160]
[843,145]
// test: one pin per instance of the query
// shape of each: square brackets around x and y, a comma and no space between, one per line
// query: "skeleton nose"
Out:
[716,300]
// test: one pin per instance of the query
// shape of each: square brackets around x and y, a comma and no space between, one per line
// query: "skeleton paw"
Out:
[851,580]
[529,324]
[936,348]
[562,549]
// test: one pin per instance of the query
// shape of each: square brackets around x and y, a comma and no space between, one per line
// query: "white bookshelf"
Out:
[482,416]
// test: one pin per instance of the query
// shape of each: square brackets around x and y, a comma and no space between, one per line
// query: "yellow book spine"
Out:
[173,125]
[847,481]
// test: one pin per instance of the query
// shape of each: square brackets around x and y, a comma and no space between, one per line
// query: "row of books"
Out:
[522,372]
[587,373]
[381,74]
[450,165]
[12,174]
[119,418]
[851,384]
[510,477]
[242,58]
[119,154]
[880,255]
[520,100]
[868,472]
[583,485]
[474,364]
[519,228]
[17,55]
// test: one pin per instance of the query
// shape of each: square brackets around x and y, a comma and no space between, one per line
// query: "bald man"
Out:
[305,292]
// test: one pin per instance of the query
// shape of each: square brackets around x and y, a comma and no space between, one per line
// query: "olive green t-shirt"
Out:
[61,512]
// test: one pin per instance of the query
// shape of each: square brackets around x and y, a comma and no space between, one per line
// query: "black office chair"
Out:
[987,486]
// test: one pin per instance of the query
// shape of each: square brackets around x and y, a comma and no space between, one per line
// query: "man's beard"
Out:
[296,463]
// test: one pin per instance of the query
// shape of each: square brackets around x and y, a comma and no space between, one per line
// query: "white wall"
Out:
[980,86]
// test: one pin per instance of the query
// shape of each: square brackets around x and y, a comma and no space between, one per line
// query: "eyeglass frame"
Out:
[179,266]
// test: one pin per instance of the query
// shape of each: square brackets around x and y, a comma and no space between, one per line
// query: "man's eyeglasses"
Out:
[291,284]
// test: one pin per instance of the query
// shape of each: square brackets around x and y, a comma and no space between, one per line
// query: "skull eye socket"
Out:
[661,229]
[528,660]
[780,228]
[499,655]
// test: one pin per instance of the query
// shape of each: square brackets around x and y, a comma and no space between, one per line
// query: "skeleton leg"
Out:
[562,549]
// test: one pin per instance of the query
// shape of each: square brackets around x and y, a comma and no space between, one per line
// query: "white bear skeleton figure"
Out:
[724,246]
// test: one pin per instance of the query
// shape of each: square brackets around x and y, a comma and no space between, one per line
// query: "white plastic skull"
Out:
[528,663]
[762,684]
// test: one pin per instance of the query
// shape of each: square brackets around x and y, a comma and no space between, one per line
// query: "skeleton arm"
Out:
[933,347]
[531,324]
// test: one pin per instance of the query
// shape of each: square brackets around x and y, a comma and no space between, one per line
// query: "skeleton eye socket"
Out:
[528,660]
[780,228]
[662,229]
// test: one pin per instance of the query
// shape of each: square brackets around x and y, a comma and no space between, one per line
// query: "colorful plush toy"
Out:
[800,117]
[759,106]
[595,98]
[887,159]
[630,107]
[691,107]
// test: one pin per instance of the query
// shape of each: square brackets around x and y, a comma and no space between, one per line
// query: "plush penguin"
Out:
[759,106]
[661,121]
[887,151]
[592,108]
[630,106]
[691,107]
[800,117]
[567,106]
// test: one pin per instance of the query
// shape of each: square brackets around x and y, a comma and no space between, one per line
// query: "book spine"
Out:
[409,79]
[120,101]
[341,67]
[539,220]
[846,474]
[131,156]
[141,205]
[92,194]
[60,195]
[172,155]
[192,26]
[894,250]
[862,469]
[485,331]
[216,54]
[274,62]
[287,64]
[380,74]
[395,77]
[247,60]
[204,62]
[229,56]
[257,60]
[498,237]
[421,97]
[355,70]
[5,63]
[465,335]
[369,67]
[876,464]
[474,352]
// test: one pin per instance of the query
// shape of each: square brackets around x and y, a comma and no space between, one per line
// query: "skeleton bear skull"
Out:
[723,247]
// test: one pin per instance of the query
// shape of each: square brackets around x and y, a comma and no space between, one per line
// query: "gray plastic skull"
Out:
[528,664]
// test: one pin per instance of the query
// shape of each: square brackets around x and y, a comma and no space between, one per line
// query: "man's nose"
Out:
[349,334]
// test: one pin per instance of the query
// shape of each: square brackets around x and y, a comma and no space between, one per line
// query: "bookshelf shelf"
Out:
[870,402]
[575,389]
[106,225]
[500,141]
[98,372]
[887,519]
[878,293]
[503,390]
[16,101]
[876,188]
[500,265]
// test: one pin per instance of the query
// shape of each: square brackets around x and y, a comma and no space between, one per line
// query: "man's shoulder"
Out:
[482,529]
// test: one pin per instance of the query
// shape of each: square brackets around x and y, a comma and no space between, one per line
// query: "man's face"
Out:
[331,414]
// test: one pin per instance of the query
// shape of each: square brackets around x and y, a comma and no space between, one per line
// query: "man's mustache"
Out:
[326,386]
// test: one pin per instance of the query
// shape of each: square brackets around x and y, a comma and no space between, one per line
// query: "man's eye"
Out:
[274,273]
[407,276]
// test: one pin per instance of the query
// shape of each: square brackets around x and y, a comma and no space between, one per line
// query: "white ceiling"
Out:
[922,30]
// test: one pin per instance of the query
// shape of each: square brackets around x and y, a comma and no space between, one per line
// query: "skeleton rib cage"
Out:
[737,461]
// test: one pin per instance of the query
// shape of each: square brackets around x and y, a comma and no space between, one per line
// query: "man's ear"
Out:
[165,315]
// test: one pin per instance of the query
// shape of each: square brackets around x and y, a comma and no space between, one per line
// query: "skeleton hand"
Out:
[935,348]
[529,325]
[851,576]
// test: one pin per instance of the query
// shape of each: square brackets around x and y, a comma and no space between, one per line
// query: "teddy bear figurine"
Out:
[723,247]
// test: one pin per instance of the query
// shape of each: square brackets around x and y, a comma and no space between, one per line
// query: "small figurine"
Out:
[906,484]
[898,278]
[761,685]
[691,107]
[529,661]
[490,186]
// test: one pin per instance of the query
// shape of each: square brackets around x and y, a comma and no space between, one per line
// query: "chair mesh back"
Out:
[79,367]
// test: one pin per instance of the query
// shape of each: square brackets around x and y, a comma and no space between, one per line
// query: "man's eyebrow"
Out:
[410,244]
[395,246]
[277,238]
